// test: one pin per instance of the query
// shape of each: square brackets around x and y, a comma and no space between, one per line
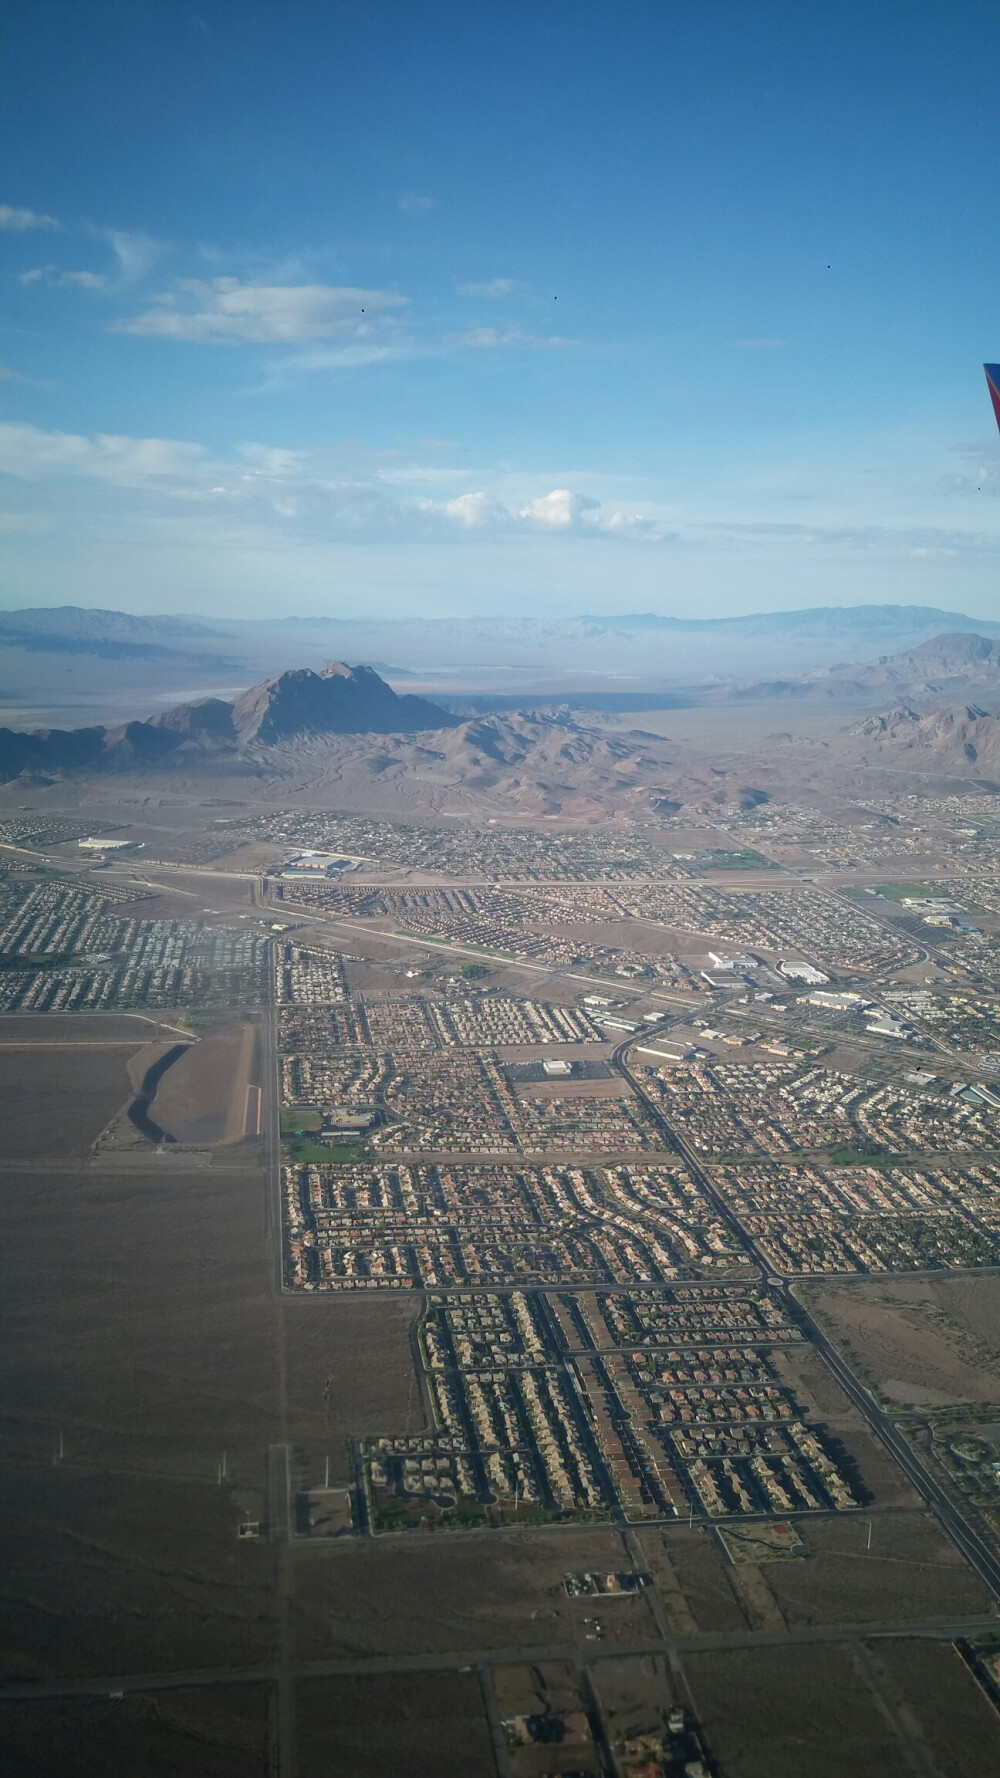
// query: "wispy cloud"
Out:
[226,312]
[308,489]
[134,257]
[136,254]
[7,375]
[498,339]
[494,287]
[18,222]
[53,275]
[757,345]
[415,203]
[30,453]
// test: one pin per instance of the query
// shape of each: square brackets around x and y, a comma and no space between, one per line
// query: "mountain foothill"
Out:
[343,732]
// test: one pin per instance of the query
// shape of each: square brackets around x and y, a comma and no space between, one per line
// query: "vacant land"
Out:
[213,1732]
[693,1579]
[779,1713]
[117,1573]
[923,1342]
[204,1096]
[636,1695]
[138,1343]
[456,1591]
[942,1703]
[351,1373]
[912,1574]
[56,1097]
[135,1319]
[428,1725]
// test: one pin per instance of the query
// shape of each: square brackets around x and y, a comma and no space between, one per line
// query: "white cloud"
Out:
[493,339]
[308,489]
[414,203]
[18,376]
[559,511]
[85,280]
[18,222]
[223,311]
[560,508]
[493,287]
[30,453]
[475,512]
[136,254]
[51,274]
[757,345]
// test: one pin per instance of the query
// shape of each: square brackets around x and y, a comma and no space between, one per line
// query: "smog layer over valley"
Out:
[499,965]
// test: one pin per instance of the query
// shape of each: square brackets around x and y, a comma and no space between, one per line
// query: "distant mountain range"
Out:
[113,662]
[345,730]
[111,635]
[344,734]
[957,664]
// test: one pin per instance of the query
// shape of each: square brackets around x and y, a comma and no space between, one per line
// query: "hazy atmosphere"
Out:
[381,309]
[499,892]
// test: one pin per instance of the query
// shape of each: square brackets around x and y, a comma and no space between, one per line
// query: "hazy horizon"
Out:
[497,310]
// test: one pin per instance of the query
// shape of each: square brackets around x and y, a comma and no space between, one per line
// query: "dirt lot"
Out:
[457,1592]
[942,1703]
[57,1096]
[135,1325]
[782,1713]
[426,1725]
[693,1579]
[636,1695]
[122,1574]
[203,1097]
[922,1342]
[911,1574]
[135,1319]
[214,1732]
[351,1373]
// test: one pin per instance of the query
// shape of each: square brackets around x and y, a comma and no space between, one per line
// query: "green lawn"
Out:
[302,1151]
[860,1154]
[298,1119]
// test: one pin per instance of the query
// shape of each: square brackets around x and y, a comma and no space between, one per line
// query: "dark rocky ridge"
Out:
[340,700]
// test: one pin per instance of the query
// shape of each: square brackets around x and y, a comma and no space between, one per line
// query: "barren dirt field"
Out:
[56,1097]
[693,1578]
[351,1373]
[925,1342]
[136,1332]
[936,1693]
[213,1732]
[911,1574]
[426,1725]
[117,1573]
[782,1713]
[454,1592]
[634,1693]
[135,1319]
[203,1098]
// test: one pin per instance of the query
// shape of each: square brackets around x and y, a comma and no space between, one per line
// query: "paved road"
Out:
[461,1660]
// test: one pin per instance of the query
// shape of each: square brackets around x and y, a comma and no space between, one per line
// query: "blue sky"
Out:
[671,305]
